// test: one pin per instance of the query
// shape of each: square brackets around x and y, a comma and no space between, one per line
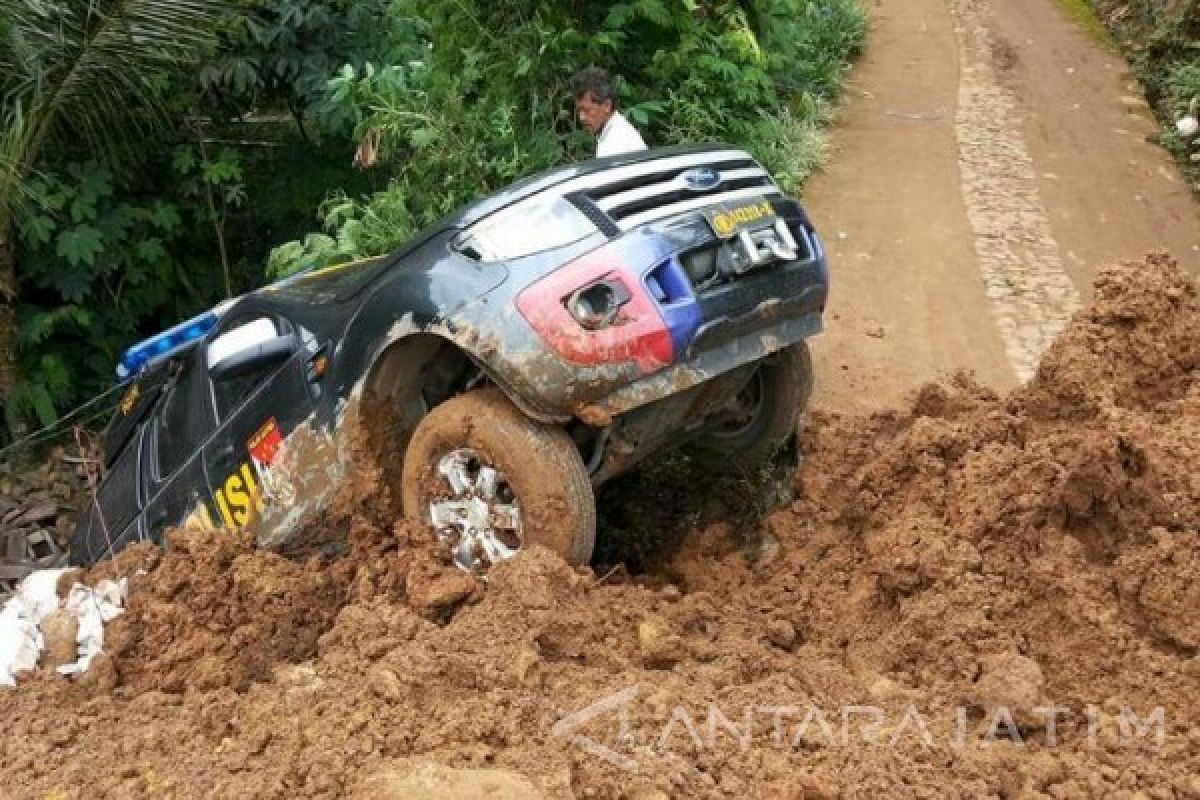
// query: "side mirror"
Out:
[250,352]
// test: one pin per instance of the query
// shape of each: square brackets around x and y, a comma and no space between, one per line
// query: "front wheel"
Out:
[765,415]
[490,481]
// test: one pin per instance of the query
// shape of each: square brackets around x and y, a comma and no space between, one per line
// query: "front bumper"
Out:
[743,322]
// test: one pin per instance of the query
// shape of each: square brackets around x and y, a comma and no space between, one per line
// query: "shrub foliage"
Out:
[457,97]
[1162,41]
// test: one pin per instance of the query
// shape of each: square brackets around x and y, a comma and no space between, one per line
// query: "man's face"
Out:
[592,115]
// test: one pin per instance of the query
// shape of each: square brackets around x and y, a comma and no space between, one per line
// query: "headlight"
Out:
[597,306]
[628,300]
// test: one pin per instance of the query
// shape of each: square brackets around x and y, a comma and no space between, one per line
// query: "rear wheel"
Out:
[489,481]
[765,415]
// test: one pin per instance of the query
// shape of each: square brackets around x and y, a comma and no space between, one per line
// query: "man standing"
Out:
[596,105]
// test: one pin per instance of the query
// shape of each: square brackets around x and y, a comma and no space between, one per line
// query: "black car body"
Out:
[626,300]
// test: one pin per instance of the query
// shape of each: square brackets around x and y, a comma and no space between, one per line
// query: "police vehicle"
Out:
[497,368]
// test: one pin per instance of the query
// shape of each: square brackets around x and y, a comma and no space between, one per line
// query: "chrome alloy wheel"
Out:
[479,517]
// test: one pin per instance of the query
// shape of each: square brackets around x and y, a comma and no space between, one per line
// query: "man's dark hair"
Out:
[596,82]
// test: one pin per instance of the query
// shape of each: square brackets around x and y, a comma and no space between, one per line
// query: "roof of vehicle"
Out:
[336,282]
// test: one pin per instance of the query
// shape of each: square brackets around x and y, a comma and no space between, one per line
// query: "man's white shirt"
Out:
[618,136]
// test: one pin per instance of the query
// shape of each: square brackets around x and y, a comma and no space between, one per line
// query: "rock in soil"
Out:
[660,647]
[781,633]
[59,630]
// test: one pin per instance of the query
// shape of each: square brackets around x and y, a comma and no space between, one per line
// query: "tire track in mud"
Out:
[1031,295]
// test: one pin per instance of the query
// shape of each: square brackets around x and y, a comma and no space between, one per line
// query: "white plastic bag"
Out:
[21,640]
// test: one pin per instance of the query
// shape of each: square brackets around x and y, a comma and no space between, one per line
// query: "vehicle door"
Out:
[111,519]
[173,464]
[259,367]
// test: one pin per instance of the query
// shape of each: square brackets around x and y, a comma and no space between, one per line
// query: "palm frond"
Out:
[92,71]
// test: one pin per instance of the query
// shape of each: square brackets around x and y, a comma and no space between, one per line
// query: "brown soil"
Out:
[971,553]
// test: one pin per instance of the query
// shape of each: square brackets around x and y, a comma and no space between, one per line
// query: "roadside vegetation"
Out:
[139,185]
[1161,39]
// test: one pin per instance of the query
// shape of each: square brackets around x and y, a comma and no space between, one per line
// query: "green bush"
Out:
[470,110]
[1161,38]
[467,96]
[1183,84]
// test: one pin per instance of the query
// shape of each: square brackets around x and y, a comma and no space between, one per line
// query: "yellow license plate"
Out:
[729,219]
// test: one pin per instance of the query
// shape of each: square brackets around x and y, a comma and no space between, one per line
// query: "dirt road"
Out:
[993,155]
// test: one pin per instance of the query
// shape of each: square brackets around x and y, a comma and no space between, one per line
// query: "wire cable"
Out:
[51,430]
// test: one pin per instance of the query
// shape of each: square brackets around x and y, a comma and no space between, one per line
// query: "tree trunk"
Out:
[8,313]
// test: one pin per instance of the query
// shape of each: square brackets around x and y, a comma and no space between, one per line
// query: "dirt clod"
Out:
[437,592]
[59,630]
[781,633]
[1013,682]
[660,647]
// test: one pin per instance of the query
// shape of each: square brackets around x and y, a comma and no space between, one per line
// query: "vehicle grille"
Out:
[700,263]
[637,194]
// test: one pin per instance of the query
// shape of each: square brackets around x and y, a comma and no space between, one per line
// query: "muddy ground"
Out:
[936,578]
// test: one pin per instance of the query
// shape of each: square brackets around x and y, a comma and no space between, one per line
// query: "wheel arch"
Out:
[445,366]
[407,379]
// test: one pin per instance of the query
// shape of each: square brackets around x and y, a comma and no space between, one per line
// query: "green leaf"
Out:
[96,179]
[54,375]
[150,250]
[618,16]
[48,192]
[43,405]
[73,284]
[422,138]
[224,168]
[242,76]
[93,183]
[654,11]
[37,326]
[164,216]
[116,223]
[80,245]
[36,230]
[184,161]
[83,209]
[284,259]
[608,40]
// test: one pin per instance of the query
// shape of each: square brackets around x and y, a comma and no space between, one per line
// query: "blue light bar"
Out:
[161,347]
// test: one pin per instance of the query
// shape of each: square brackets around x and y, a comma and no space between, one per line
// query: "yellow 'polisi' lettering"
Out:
[239,500]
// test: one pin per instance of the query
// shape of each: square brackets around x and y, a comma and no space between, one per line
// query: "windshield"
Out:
[540,223]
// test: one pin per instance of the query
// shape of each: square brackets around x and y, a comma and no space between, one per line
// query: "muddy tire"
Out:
[775,400]
[537,480]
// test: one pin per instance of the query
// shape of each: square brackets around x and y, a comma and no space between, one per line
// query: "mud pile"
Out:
[941,577]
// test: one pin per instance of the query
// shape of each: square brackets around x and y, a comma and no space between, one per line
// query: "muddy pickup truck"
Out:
[499,366]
